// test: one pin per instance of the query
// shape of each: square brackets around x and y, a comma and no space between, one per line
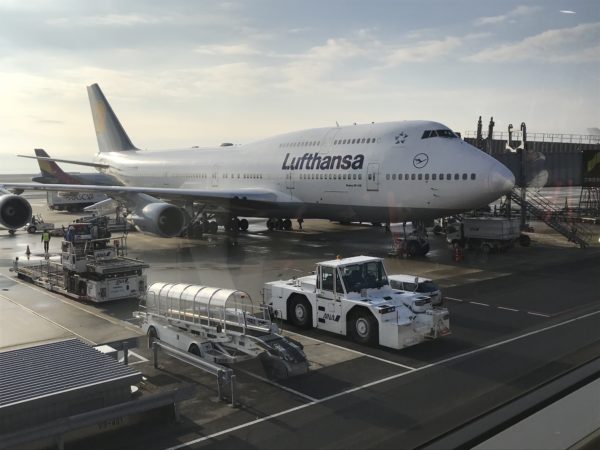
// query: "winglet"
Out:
[109,131]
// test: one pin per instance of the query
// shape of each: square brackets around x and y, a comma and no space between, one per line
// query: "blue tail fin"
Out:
[109,131]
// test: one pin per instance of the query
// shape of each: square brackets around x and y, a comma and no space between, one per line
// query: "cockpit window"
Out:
[438,133]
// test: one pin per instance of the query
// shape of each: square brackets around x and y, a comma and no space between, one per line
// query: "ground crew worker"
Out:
[46,240]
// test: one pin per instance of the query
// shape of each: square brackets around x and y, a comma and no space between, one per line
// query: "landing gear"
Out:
[279,224]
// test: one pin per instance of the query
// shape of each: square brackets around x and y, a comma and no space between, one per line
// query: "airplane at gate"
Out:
[378,172]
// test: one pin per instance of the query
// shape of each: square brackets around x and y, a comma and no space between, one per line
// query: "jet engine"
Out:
[162,219]
[15,211]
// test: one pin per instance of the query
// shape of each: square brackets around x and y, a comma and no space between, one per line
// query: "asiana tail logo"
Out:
[314,161]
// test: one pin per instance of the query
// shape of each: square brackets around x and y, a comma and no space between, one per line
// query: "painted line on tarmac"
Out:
[403,366]
[479,303]
[504,308]
[49,320]
[73,304]
[383,380]
[280,386]
[531,313]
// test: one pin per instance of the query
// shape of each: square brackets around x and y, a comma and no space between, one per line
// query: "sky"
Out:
[185,73]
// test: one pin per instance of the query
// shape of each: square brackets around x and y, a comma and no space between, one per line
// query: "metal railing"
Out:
[539,137]
[225,375]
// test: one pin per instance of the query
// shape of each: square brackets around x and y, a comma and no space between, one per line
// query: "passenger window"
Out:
[393,176]
[448,176]
[426,176]
[369,176]
[360,176]
[406,176]
[362,141]
[472,176]
[434,176]
[456,176]
[354,141]
[464,176]
[327,278]
[387,176]
[412,176]
[420,176]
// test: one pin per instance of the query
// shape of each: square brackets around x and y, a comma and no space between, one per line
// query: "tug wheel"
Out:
[194,350]
[300,311]
[363,328]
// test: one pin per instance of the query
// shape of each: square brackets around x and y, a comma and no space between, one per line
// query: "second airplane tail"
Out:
[109,131]
[50,170]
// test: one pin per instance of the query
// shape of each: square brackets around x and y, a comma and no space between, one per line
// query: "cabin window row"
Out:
[427,176]
[354,141]
[300,144]
[330,176]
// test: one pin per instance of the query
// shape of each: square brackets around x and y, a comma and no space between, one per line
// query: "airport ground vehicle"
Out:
[420,285]
[92,267]
[487,233]
[352,296]
[219,325]
[72,201]
[38,224]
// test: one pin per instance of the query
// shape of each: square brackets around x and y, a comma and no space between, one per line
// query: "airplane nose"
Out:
[501,180]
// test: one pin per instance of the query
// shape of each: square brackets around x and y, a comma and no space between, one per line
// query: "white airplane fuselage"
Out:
[373,172]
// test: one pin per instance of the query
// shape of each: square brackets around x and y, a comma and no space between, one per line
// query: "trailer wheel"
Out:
[152,336]
[194,350]
[363,328]
[243,224]
[524,240]
[11,232]
[300,311]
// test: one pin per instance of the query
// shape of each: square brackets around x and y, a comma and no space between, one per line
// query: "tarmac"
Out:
[517,319]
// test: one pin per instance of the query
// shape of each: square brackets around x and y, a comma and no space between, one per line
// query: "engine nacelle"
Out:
[15,211]
[162,219]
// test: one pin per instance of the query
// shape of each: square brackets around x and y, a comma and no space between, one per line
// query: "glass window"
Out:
[464,176]
[362,141]
[434,176]
[360,176]
[413,176]
[354,141]
[387,176]
[426,134]
[448,176]
[456,176]
[406,176]
[472,176]
[426,176]
[327,278]
[420,176]
[393,176]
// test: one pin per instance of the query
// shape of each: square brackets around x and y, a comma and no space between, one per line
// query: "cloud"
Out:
[424,51]
[227,50]
[123,20]
[519,11]
[578,44]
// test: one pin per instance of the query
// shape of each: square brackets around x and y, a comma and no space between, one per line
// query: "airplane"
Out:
[52,173]
[377,172]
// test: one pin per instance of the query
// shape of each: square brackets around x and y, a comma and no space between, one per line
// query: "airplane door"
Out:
[373,177]
[329,305]
[215,177]
[289,180]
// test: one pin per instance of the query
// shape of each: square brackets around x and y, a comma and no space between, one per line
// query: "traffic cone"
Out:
[28,252]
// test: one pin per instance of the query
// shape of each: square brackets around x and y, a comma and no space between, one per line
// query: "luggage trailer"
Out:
[220,326]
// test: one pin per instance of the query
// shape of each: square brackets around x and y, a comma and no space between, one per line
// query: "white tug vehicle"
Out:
[352,296]
[218,325]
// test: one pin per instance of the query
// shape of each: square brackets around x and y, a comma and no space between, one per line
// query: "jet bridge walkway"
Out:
[553,216]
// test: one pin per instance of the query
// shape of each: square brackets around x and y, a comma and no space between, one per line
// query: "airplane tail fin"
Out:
[109,131]
[51,170]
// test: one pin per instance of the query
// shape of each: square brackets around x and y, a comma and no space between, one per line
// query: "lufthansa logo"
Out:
[420,160]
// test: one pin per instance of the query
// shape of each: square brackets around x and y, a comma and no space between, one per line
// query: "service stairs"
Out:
[554,217]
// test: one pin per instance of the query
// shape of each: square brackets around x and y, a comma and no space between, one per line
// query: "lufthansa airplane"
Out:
[378,172]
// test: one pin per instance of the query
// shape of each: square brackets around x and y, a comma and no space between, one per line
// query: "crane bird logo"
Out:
[420,160]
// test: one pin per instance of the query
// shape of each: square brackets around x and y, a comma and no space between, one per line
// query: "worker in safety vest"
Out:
[46,240]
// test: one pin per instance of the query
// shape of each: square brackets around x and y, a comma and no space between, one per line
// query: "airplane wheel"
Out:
[287,224]
[412,248]
[363,328]
[279,224]
[11,232]
[213,227]
[243,225]
[271,224]
[32,229]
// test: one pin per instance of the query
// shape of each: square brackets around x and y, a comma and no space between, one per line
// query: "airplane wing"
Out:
[68,161]
[218,196]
